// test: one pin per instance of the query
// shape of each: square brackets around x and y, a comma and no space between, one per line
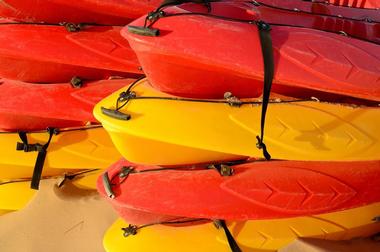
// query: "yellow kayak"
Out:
[250,235]
[15,194]
[165,131]
[76,148]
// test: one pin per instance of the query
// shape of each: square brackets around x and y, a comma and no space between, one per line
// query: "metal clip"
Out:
[224,170]
[125,96]
[76,82]
[263,26]
[125,171]
[232,100]
[255,3]
[154,16]
[70,27]
[130,230]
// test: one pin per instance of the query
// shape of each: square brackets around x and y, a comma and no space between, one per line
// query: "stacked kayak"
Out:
[50,53]
[221,76]
[303,62]
[324,9]
[357,3]
[111,12]
[200,131]
[51,105]
[266,235]
[57,61]
[208,125]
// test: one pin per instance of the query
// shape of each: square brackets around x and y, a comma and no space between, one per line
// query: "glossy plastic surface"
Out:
[321,7]
[307,62]
[51,54]
[304,130]
[267,235]
[25,106]
[114,12]
[84,148]
[256,190]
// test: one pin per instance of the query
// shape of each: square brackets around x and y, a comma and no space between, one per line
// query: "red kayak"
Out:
[371,4]
[112,12]
[252,190]
[324,8]
[353,28]
[26,106]
[307,62]
[50,54]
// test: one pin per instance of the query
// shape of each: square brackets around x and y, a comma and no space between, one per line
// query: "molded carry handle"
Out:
[115,114]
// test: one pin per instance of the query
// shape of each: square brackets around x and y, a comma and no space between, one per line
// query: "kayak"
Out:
[52,54]
[324,8]
[250,235]
[16,193]
[371,4]
[179,60]
[111,12]
[154,125]
[248,191]
[276,14]
[79,148]
[51,105]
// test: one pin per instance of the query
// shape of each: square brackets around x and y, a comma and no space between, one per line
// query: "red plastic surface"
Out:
[257,190]
[353,28]
[357,3]
[114,12]
[321,7]
[25,106]
[48,54]
[197,56]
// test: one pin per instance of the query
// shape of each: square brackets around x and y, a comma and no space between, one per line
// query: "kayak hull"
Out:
[295,130]
[51,54]
[268,235]
[370,4]
[256,190]
[110,12]
[75,148]
[324,8]
[51,105]
[180,62]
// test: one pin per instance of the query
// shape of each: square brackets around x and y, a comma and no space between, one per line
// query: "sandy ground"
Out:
[57,219]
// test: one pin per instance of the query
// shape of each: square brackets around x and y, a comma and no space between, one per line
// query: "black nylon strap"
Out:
[42,151]
[37,172]
[267,51]
[231,241]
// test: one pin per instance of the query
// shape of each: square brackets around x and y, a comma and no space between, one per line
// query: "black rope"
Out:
[340,5]
[133,229]
[70,176]
[258,3]
[162,14]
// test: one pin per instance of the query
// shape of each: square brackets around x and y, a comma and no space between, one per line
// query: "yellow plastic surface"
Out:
[89,148]
[14,196]
[250,235]
[171,132]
